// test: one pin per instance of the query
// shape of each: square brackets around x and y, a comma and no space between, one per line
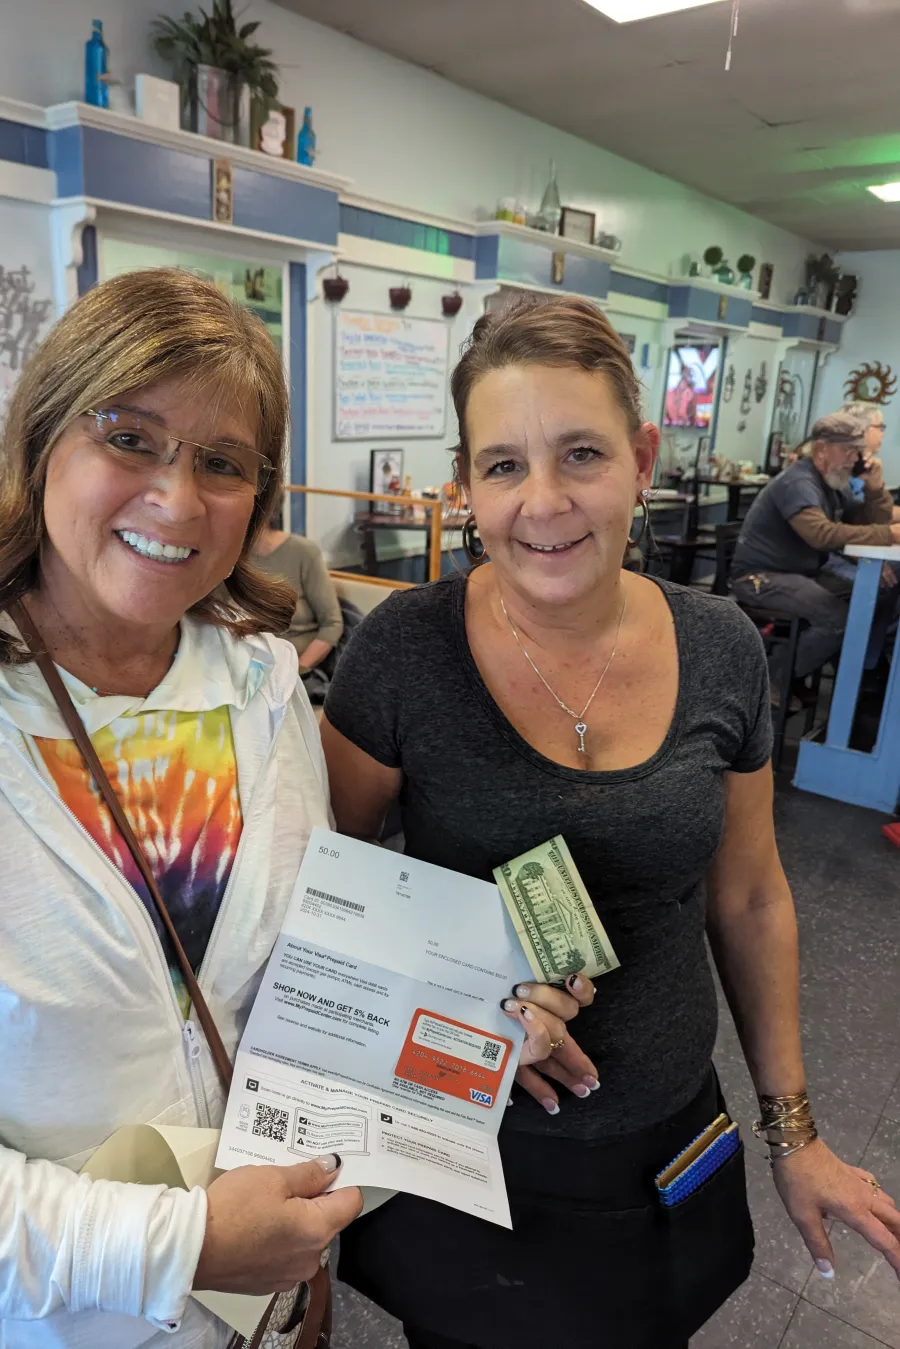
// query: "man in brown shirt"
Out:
[804,514]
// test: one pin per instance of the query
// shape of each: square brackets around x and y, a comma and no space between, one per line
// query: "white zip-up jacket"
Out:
[91,1036]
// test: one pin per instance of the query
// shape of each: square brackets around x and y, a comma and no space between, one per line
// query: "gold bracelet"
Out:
[790,1117]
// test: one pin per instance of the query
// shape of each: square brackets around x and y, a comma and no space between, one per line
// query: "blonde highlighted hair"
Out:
[125,334]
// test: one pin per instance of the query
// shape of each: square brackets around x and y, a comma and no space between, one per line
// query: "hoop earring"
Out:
[645,518]
[471,542]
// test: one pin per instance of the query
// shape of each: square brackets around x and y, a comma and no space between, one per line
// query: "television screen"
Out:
[691,386]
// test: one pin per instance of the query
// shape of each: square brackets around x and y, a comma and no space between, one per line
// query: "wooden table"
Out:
[368,523]
[833,769]
[734,492]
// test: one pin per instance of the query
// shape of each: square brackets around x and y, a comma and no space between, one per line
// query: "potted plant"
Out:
[745,264]
[214,60]
[335,287]
[400,296]
[451,304]
[821,277]
[719,268]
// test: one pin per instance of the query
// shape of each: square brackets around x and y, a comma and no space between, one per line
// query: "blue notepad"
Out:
[701,1159]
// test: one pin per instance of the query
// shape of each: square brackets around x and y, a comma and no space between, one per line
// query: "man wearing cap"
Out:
[802,516]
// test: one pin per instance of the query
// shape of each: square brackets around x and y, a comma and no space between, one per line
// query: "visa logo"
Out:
[481,1097]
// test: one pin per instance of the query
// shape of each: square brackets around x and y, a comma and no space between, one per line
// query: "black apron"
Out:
[593,1257]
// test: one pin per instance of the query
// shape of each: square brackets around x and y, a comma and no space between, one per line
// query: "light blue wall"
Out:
[872,334]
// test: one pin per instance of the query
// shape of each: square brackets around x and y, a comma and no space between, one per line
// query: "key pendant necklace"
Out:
[577,717]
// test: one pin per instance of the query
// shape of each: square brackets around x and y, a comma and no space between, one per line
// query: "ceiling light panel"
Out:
[887,191]
[629,11]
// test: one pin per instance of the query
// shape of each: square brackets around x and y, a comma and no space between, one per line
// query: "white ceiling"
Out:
[807,117]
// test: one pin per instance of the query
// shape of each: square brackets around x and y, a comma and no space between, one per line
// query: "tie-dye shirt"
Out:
[176,775]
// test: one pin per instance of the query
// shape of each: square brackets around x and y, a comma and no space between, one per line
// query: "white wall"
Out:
[405,135]
[26,311]
[345,463]
[743,435]
[872,334]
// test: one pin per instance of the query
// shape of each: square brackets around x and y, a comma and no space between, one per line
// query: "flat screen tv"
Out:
[691,386]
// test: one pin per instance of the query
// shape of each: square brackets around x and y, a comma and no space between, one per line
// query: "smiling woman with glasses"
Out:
[156,744]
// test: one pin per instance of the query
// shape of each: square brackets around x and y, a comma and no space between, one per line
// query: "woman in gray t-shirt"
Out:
[550,692]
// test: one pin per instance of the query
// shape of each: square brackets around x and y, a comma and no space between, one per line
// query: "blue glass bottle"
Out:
[306,140]
[96,61]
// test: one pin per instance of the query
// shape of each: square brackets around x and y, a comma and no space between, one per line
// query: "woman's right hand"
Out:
[267,1226]
[544,1012]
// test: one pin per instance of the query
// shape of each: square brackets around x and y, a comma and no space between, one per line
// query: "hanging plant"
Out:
[335,287]
[400,296]
[451,304]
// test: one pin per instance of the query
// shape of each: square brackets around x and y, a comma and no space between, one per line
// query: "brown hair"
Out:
[538,331]
[127,333]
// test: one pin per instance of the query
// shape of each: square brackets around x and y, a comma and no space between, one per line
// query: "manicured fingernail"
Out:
[576,983]
[527,1014]
[591,1083]
[329,1163]
[523,991]
[825,1268]
[550,1106]
[509,1005]
[582,1091]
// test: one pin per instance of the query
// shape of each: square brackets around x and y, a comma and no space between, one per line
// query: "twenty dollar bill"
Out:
[553,915]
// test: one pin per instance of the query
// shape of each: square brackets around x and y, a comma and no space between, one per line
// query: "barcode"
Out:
[336,899]
[491,1051]
[271,1122]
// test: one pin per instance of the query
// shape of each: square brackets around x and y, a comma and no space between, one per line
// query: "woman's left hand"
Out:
[544,1012]
[815,1185]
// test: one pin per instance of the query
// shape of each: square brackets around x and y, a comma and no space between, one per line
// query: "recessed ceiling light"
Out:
[887,191]
[629,11]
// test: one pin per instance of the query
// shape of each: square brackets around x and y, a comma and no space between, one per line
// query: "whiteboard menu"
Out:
[390,376]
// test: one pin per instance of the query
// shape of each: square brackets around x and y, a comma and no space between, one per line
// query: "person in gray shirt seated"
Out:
[804,515]
[317,624]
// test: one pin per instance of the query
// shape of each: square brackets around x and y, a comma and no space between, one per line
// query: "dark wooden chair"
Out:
[777,629]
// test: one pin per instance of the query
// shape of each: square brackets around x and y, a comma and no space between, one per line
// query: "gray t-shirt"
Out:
[476,794]
[768,542]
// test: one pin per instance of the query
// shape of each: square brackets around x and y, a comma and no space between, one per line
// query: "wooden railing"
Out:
[435,527]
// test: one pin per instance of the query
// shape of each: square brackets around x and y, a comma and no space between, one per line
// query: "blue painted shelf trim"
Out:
[393,229]
[23,144]
[94,163]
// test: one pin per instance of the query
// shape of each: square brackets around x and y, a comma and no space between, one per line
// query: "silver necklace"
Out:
[578,717]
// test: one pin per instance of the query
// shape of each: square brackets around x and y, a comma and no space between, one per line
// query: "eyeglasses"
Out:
[144,446]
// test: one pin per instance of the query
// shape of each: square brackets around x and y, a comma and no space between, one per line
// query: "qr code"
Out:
[491,1051]
[271,1123]
[404,876]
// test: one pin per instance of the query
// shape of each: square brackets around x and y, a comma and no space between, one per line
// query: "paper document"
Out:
[377,1031]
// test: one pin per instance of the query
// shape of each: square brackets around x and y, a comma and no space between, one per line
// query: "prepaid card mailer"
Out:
[377,1031]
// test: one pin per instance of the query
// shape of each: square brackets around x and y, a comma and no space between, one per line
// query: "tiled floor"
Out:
[846,882]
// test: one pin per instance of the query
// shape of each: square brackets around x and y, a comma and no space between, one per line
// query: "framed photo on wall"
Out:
[385,476]
[581,226]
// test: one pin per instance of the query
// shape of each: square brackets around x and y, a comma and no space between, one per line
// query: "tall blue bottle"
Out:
[306,140]
[96,62]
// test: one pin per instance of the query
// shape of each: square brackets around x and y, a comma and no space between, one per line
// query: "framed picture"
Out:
[766,273]
[630,340]
[222,192]
[581,226]
[385,477]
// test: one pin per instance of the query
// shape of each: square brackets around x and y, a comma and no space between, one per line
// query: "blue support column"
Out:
[853,652]
[833,769]
[297,316]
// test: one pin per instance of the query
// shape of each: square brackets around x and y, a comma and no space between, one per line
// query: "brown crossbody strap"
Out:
[23,621]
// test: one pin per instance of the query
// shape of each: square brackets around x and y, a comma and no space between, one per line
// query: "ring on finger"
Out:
[874,1183]
[558,1044]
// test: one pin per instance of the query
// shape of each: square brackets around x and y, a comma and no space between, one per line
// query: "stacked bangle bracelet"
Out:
[787,1123]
